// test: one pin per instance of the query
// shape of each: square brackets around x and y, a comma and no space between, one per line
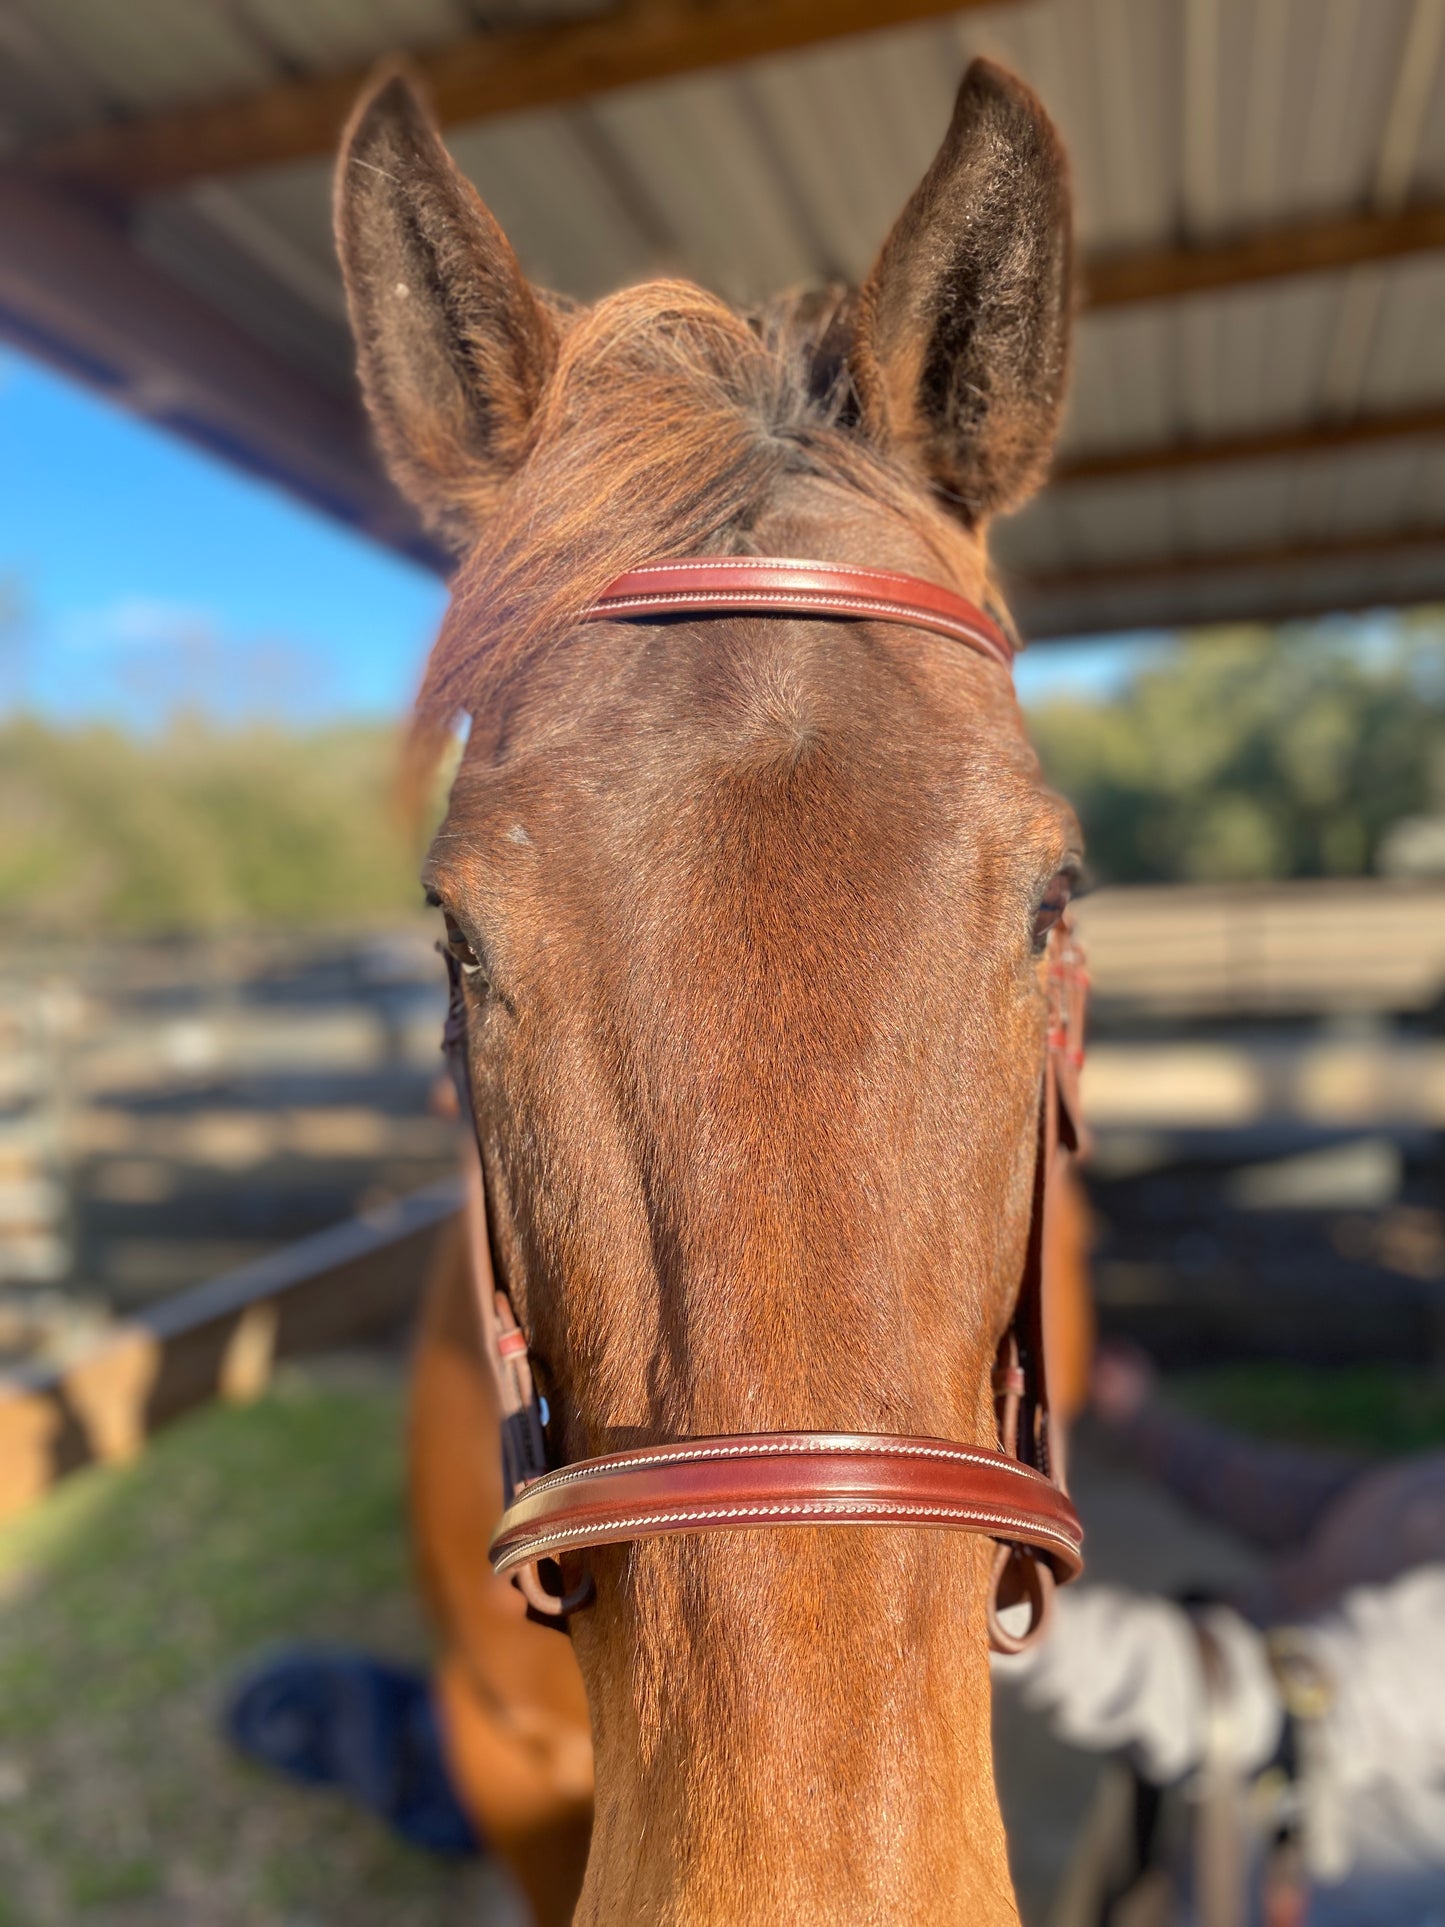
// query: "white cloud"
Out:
[133,623]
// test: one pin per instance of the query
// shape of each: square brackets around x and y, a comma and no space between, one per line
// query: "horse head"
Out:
[750,917]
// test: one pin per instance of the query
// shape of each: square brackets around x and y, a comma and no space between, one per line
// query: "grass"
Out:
[1370,1408]
[126,1602]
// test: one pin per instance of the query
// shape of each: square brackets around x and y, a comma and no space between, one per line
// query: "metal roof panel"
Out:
[1192,119]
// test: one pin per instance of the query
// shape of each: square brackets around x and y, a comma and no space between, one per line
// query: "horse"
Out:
[751,918]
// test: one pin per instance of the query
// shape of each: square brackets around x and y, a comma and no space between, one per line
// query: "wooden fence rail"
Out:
[1268,949]
[220,1340]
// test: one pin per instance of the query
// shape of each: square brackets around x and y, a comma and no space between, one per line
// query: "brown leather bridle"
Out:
[1014,1495]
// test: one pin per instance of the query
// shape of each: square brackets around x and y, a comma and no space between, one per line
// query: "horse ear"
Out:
[453,345]
[962,341]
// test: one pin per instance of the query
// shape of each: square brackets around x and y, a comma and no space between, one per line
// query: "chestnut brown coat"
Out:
[751,914]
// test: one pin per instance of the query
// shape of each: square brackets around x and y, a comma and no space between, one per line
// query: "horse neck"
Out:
[794,1727]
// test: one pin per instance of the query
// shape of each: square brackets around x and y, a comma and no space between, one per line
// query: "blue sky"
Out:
[149,574]
[138,575]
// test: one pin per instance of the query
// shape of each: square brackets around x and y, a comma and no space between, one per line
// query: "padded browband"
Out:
[788,1479]
[772,585]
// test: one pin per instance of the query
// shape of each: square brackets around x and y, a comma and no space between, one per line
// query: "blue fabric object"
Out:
[326,1716]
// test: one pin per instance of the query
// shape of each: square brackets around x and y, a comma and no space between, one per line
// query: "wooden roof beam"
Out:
[149,343]
[1067,604]
[1387,545]
[1305,439]
[1311,247]
[482,76]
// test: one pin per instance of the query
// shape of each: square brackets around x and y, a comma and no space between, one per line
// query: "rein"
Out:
[1015,1495]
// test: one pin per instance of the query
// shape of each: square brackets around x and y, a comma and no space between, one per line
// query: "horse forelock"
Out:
[670,424]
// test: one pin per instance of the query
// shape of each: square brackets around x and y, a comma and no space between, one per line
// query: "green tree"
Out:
[200,828]
[1253,752]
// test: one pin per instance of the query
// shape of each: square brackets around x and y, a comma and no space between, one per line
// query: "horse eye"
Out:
[461,949]
[1052,906]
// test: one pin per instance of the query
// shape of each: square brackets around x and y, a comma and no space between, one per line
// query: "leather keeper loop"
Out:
[1018,1577]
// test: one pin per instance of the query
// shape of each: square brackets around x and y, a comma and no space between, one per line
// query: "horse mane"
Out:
[665,429]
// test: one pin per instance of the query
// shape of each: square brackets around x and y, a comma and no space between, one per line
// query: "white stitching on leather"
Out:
[741,563]
[531,1546]
[769,563]
[795,598]
[804,1445]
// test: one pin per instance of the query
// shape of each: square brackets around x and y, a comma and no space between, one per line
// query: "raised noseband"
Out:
[787,1479]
